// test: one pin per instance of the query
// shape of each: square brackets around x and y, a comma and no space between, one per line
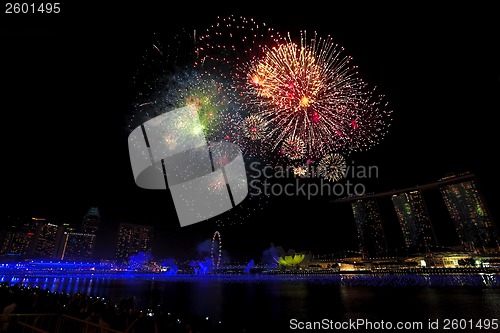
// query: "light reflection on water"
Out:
[277,301]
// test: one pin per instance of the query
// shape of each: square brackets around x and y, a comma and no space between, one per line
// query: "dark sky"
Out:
[67,91]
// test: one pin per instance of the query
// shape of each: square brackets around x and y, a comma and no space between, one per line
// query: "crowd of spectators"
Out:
[124,315]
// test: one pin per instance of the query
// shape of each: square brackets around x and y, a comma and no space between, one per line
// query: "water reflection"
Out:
[277,301]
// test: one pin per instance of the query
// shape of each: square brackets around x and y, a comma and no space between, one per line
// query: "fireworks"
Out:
[311,91]
[292,101]
[293,148]
[232,127]
[332,167]
[287,78]
[307,89]
[369,122]
[300,171]
[232,42]
[254,127]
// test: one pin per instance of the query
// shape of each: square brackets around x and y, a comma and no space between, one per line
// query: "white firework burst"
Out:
[332,167]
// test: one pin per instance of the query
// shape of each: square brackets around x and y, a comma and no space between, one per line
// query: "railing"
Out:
[51,323]
[76,325]
[39,323]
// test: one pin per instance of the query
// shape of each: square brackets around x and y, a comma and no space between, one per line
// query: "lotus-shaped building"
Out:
[290,260]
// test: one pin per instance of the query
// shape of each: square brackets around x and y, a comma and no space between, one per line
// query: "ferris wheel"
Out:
[216,250]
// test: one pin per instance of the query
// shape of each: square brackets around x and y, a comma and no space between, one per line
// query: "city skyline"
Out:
[442,94]
[469,223]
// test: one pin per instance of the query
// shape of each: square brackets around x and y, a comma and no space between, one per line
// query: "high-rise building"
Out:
[414,221]
[46,240]
[371,235]
[76,246]
[20,239]
[469,212]
[7,241]
[91,221]
[132,239]
[37,238]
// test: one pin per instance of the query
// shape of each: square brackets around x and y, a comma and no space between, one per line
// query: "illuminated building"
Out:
[80,243]
[369,225]
[414,221]
[37,238]
[91,221]
[468,210]
[20,239]
[132,239]
[290,260]
[7,241]
[47,240]
[76,246]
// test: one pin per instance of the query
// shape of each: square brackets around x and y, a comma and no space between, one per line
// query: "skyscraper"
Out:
[414,221]
[77,245]
[20,239]
[369,225]
[473,223]
[7,241]
[47,239]
[91,221]
[132,239]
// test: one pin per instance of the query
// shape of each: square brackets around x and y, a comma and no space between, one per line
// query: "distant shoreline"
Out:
[382,279]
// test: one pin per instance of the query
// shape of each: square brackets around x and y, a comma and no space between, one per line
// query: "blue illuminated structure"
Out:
[250,265]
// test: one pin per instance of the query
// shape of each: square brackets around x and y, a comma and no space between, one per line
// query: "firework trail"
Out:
[232,41]
[165,81]
[310,90]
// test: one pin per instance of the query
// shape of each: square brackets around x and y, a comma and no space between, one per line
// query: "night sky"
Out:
[67,92]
